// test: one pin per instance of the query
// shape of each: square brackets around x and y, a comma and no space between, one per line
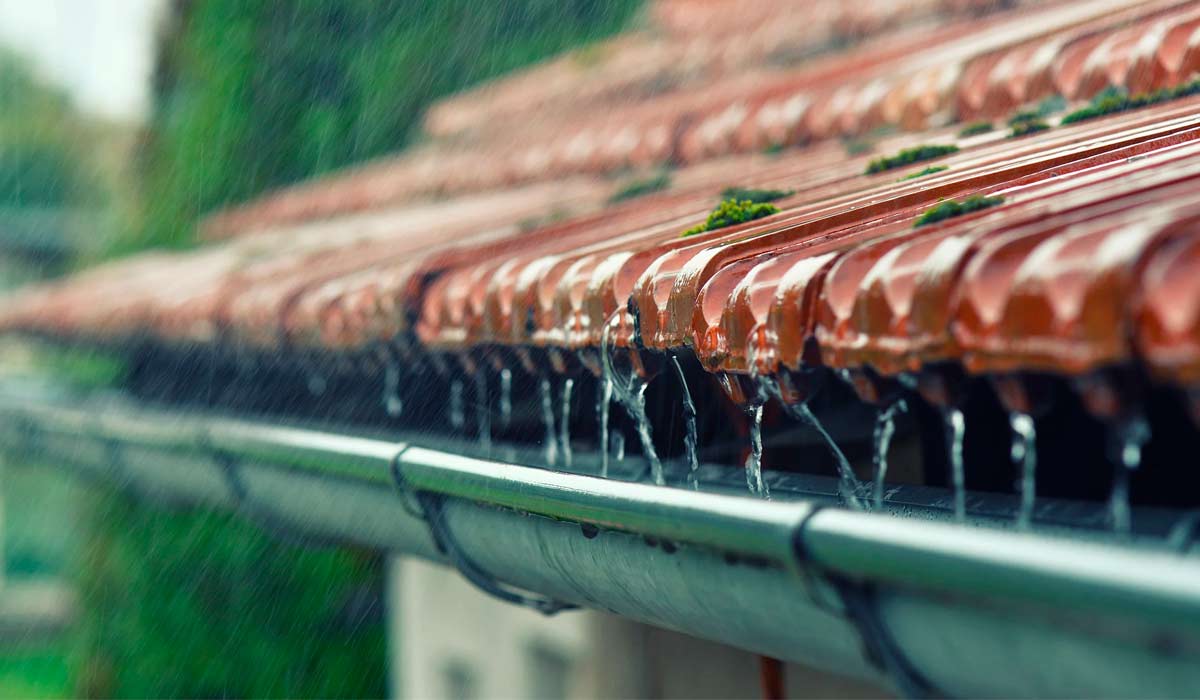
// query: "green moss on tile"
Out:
[976,128]
[922,173]
[731,212]
[1113,100]
[640,187]
[909,156]
[950,208]
[1027,127]
[1022,116]
[741,194]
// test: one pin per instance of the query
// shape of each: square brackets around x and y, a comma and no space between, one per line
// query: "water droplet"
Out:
[955,431]
[691,439]
[564,433]
[1024,457]
[551,438]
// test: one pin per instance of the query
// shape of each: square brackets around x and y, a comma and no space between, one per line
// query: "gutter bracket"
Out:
[860,606]
[430,507]
[278,528]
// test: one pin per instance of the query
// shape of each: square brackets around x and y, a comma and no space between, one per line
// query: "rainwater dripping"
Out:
[551,437]
[1024,457]
[1130,436]
[848,484]
[955,431]
[564,428]
[691,438]
[631,394]
[754,476]
[847,481]
[885,429]
[505,398]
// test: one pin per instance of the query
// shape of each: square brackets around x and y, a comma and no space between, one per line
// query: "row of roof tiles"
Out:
[914,77]
[688,44]
[1089,264]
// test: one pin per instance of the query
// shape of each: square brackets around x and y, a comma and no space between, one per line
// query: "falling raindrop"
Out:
[392,404]
[551,438]
[1024,456]
[457,415]
[1130,436]
[505,398]
[691,439]
[631,394]
[955,430]
[564,432]
[754,476]
[885,429]
[603,401]
[483,412]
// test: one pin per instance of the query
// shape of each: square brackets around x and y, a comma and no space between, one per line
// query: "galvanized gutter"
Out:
[935,607]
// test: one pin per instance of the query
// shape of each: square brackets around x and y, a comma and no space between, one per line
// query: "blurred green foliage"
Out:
[41,161]
[194,603]
[254,95]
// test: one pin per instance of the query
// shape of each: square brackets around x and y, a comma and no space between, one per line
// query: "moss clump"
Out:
[742,194]
[950,208]
[1027,127]
[641,187]
[922,173]
[909,156]
[1022,116]
[976,128]
[732,211]
[1113,100]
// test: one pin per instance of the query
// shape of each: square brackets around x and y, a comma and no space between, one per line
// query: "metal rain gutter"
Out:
[935,608]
